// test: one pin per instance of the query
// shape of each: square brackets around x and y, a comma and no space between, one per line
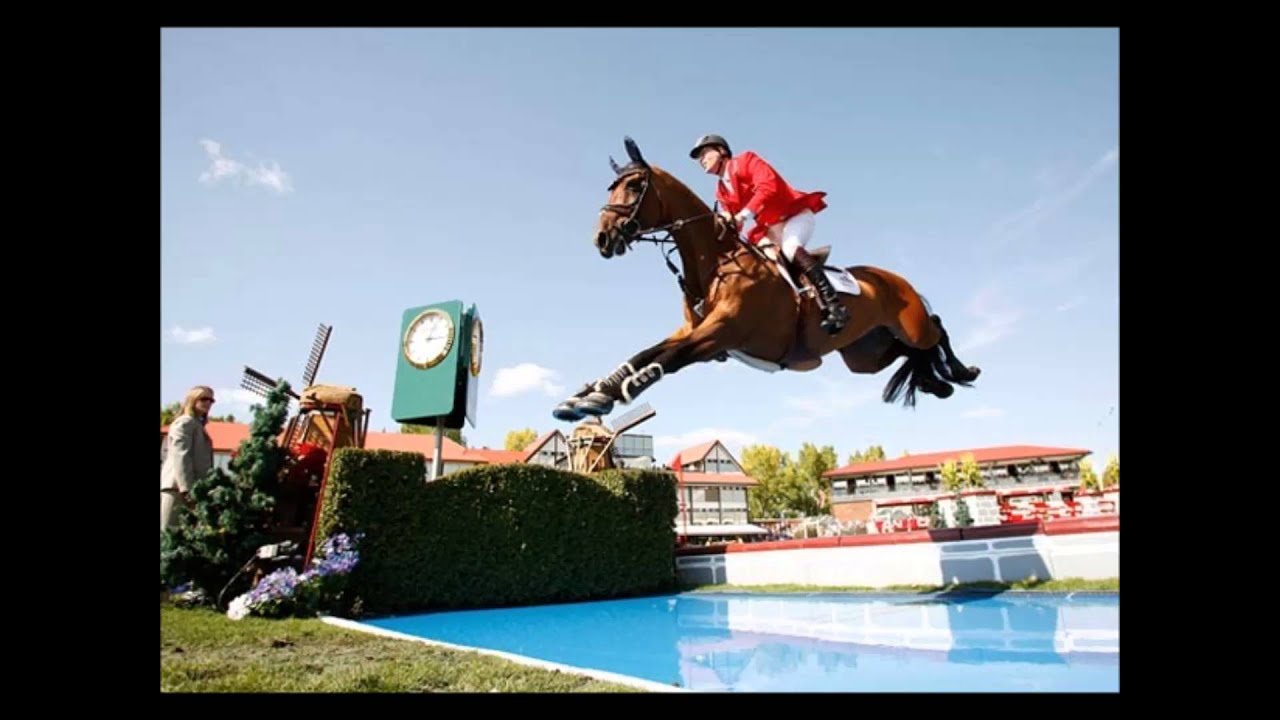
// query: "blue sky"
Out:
[341,176]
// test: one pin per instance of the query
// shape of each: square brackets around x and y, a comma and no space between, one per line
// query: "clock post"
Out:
[438,363]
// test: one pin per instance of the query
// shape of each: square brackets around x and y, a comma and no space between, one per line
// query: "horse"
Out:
[739,303]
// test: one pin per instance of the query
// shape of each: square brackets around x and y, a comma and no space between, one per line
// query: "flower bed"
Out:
[288,593]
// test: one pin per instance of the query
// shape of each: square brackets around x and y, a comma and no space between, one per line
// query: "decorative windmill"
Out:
[329,417]
[591,446]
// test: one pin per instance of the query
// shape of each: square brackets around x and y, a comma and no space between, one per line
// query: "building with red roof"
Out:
[857,490]
[227,437]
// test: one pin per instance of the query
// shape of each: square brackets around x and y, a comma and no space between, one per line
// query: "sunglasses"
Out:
[205,399]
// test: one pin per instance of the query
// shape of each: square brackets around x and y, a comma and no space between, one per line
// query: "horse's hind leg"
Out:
[873,352]
[959,371]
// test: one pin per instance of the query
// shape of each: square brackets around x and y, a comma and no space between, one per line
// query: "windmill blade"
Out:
[317,352]
[256,382]
[633,418]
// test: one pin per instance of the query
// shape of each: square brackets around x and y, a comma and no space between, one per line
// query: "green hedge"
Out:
[499,534]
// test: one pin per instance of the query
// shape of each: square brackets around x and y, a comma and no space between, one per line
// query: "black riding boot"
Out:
[834,314]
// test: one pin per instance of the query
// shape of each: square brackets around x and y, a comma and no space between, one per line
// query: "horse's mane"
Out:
[698,207]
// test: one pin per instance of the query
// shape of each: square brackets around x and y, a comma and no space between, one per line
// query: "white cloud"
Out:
[997,319]
[735,440]
[525,377]
[985,411]
[199,336]
[1052,199]
[222,168]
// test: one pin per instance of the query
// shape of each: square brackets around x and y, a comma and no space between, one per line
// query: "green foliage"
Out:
[520,439]
[963,518]
[229,513]
[498,535]
[786,487]
[871,454]
[1111,472]
[765,464]
[950,474]
[970,473]
[937,518]
[454,434]
[169,412]
[1088,478]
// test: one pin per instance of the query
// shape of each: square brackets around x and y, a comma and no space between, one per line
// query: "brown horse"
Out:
[738,302]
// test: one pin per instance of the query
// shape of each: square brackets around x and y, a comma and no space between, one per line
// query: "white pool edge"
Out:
[521,659]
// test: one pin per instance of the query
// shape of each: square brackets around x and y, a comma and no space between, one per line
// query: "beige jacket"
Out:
[189,455]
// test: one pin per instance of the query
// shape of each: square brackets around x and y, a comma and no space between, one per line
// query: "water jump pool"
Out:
[748,642]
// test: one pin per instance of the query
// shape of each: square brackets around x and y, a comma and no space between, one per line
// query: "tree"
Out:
[454,435]
[937,520]
[963,518]
[1088,479]
[765,464]
[787,487]
[229,513]
[950,474]
[871,454]
[970,473]
[520,439]
[1111,472]
[169,412]
[807,489]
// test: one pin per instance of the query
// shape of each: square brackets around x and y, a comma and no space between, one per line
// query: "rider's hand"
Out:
[727,218]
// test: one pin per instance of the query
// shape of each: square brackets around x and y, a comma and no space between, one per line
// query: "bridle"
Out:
[630,228]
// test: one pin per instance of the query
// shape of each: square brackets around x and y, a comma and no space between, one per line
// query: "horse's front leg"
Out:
[591,399]
[649,366]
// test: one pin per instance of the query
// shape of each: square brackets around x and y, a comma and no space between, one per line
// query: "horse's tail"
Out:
[923,369]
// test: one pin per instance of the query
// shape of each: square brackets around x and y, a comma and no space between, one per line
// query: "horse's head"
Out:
[632,204]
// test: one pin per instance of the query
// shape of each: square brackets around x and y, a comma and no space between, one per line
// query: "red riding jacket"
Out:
[756,186]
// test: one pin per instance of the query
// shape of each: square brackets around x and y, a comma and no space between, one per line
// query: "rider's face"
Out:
[710,158]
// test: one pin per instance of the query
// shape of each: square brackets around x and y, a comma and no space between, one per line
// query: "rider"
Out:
[749,188]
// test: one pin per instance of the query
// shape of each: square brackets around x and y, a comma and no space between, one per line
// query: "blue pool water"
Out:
[1011,642]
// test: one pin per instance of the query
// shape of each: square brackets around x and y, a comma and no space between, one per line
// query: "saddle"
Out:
[798,356]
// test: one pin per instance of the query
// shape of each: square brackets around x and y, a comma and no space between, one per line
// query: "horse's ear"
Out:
[633,151]
[613,164]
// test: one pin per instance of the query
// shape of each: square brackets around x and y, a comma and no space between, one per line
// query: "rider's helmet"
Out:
[709,140]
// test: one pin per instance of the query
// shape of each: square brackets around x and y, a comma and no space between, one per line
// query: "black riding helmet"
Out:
[708,140]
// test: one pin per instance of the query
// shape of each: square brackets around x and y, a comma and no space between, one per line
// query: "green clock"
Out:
[439,359]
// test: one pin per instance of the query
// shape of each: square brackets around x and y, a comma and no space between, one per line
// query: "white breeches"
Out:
[793,233]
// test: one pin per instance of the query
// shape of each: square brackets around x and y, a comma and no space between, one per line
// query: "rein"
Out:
[632,233]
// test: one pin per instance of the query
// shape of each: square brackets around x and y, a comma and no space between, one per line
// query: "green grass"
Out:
[204,651]
[1064,585]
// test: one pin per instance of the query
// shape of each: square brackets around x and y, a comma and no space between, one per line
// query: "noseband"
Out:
[630,228]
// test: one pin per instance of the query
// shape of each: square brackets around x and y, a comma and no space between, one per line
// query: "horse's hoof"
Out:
[974,372]
[595,403]
[567,412]
[944,391]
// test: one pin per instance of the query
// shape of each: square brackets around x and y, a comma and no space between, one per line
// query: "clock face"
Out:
[428,339]
[477,346]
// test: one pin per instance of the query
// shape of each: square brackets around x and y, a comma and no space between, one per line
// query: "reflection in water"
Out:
[780,643]
[1001,643]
